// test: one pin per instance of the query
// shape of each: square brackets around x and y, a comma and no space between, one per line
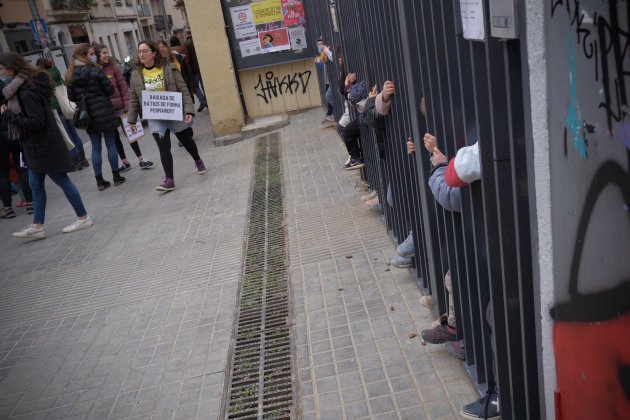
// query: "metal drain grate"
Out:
[261,383]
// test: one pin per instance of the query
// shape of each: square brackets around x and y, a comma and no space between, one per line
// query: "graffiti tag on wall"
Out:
[270,85]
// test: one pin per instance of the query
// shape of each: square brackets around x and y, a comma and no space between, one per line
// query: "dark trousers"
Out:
[493,344]
[12,148]
[350,134]
[164,145]
[120,149]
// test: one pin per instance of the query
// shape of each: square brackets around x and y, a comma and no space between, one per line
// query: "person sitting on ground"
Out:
[445,330]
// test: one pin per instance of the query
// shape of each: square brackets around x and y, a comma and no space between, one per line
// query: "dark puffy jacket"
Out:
[90,81]
[42,145]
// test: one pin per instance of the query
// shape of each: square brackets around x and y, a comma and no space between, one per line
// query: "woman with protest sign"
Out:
[162,84]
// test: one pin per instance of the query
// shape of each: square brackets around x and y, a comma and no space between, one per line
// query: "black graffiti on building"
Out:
[271,86]
[608,47]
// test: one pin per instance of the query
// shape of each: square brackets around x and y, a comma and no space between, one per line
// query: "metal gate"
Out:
[473,92]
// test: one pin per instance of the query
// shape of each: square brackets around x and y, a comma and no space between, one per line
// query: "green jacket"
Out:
[58,81]
[174,83]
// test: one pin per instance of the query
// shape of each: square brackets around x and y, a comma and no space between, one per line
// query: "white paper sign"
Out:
[472,19]
[130,135]
[243,21]
[250,47]
[298,37]
[162,105]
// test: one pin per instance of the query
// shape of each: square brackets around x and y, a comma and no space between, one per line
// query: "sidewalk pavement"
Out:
[354,315]
[132,318]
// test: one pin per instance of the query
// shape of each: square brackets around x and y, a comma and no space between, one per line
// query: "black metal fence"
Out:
[473,91]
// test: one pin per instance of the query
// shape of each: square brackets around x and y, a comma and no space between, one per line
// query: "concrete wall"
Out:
[213,52]
[581,135]
[276,89]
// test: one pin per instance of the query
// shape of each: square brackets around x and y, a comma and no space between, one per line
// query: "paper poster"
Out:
[158,105]
[243,22]
[293,12]
[267,11]
[274,40]
[472,19]
[130,135]
[298,37]
[250,47]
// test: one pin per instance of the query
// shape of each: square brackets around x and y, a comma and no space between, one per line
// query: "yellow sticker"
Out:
[266,11]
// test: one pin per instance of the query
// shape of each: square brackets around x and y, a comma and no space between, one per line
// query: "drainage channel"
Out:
[260,381]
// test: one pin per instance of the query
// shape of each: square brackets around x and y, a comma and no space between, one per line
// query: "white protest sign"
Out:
[472,19]
[242,21]
[130,135]
[162,105]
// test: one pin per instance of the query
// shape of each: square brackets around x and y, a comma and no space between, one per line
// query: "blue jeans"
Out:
[112,154]
[36,180]
[196,82]
[72,133]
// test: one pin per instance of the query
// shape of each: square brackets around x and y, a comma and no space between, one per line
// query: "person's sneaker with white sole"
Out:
[201,168]
[31,232]
[78,224]
[405,249]
[401,262]
[484,408]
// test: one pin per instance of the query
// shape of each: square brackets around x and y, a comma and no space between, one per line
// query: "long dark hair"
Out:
[80,53]
[159,62]
[17,63]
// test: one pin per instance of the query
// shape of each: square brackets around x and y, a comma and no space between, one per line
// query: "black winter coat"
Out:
[90,81]
[42,144]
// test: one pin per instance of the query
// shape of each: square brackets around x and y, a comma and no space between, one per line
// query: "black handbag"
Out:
[81,117]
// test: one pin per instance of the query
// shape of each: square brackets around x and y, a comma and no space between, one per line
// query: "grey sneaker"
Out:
[484,408]
[405,249]
[401,262]
[30,232]
[78,224]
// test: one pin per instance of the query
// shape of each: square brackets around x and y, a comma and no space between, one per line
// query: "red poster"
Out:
[274,40]
[293,12]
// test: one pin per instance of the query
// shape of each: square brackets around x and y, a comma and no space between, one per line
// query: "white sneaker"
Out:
[78,224]
[30,232]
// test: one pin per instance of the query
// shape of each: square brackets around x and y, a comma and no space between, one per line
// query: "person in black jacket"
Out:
[10,150]
[31,122]
[85,79]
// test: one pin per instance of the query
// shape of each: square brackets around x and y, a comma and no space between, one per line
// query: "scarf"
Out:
[10,93]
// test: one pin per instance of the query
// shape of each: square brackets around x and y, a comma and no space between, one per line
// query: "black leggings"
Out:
[164,144]
[12,148]
[119,146]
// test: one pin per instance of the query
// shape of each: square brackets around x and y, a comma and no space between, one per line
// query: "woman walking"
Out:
[153,73]
[85,79]
[30,120]
[77,154]
[120,103]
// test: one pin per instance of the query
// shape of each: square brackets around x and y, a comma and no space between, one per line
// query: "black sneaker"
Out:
[145,164]
[7,213]
[124,167]
[484,408]
[29,209]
